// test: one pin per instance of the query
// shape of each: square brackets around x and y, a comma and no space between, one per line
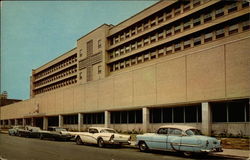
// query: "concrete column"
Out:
[32,121]
[106,118]
[80,121]
[45,123]
[145,119]
[60,121]
[206,124]
[24,122]
[16,122]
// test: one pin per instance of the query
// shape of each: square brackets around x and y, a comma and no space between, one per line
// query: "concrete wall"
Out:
[236,128]
[221,72]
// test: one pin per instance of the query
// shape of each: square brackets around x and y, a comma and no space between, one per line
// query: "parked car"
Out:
[178,138]
[14,130]
[102,136]
[29,131]
[55,133]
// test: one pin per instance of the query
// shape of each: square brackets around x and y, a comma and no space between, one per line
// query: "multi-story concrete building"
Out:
[174,62]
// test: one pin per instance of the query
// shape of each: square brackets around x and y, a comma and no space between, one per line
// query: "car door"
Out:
[174,139]
[159,140]
[90,137]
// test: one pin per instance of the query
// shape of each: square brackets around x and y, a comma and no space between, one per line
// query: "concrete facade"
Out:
[137,65]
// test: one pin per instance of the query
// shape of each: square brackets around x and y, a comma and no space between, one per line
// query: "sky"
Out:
[35,32]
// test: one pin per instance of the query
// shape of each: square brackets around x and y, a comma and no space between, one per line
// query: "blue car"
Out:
[178,138]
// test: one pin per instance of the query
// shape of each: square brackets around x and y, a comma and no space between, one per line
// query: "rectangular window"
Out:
[208,37]
[178,114]
[187,44]
[146,56]
[236,111]
[167,115]
[186,7]
[139,29]
[153,39]
[197,41]
[219,12]
[196,3]
[246,25]
[207,17]
[127,49]
[219,112]
[153,22]
[70,119]
[122,51]
[169,49]
[160,19]
[133,32]
[139,44]
[232,7]
[146,41]
[155,115]
[146,25]
[160,52]
[168,32]
[117,53]
[89,48]
[125,117]
[220,33]
[99,43]
[160,36]
[177,47]
[191,114]
[153,55]
[168,15]
[133,46]
[245,3]
[233,29]
[177,11]
[127,63]
[177,29]
[122,37]
[127,35]
[139,59]
[187,25]
[133,61]
[197,21]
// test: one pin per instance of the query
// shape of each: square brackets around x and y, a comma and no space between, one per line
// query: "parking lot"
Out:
[20,148]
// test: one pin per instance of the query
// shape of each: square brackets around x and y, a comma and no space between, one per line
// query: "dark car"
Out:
[55,134]
[29,131]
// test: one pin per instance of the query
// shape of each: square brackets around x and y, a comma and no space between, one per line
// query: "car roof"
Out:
[100,128]
[182,127]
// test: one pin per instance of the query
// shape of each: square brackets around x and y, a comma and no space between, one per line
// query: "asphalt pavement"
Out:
[20,148]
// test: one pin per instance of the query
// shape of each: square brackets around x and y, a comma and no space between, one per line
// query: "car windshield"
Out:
[107,131]
[191,132]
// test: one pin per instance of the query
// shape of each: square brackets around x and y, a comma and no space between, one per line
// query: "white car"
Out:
[102,136]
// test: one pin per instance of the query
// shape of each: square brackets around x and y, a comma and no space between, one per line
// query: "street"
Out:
[19,148]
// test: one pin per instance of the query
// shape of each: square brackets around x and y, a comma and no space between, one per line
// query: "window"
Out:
[155,115]
[139,59]
[220,33]
[167,115]
[127,35]
[178,114]
[186,7]
[219,12]
[117,53]
[139,29]
[139,44]
[99,43]
[93,118]
[168,32]
[177,11]
[160,18]
[174,131]
[127,49]
[153,22]
[134,116]
[133,46]
[197,41]
[232,7]
[133,32]
[122,37]
[153,55]
[208,37]
[168,15]
[246,25]
[196,2]
[146,25]
[133,61]
[70,119]
[160,52]
[197,21]
[99,69]
[80,53]
[245,3]
[233,29]
[187,44]
[122,51]
[163,131]
[153,39]
[177,47]
[146,56]
[187,25]
[146,41]
[177,29]
[169,49]
[160,36]
[89,47]
[207,17]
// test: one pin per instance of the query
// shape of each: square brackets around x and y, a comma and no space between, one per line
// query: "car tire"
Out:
[143,147]
[78,140]
[100,143]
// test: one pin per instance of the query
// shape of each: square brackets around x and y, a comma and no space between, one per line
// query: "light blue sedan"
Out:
[178,138]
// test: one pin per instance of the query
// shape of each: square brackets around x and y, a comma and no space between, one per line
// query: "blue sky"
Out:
[33,33]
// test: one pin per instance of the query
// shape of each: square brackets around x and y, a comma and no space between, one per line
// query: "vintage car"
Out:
[102,136]
[14,130]
[55,133]
[29,131]
[185,139]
